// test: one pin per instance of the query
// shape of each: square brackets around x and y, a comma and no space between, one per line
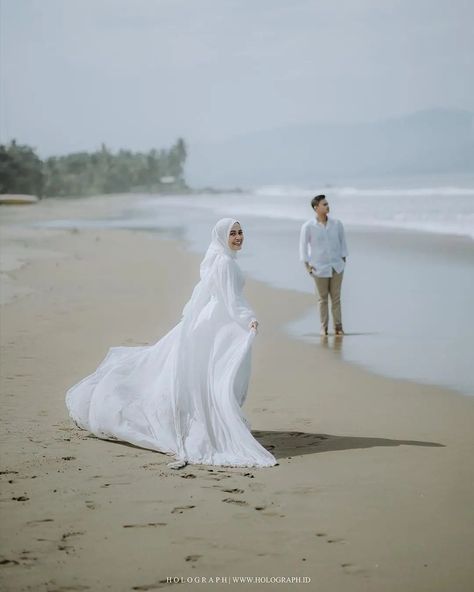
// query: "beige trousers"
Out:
[329,286]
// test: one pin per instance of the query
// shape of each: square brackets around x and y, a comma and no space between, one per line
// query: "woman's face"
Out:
[236,237]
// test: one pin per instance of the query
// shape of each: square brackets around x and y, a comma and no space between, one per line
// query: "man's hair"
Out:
[315,201]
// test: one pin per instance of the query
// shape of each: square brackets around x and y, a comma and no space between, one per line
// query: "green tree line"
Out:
[84,173]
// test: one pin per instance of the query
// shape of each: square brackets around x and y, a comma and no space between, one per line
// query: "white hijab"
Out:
[219,247]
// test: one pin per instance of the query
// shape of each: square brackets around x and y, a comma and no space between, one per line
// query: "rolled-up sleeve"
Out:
[342,239]
[304,243]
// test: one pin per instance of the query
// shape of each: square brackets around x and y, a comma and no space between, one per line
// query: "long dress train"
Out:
[184,394]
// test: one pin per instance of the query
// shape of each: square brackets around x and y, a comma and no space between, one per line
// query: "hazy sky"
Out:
[139,73]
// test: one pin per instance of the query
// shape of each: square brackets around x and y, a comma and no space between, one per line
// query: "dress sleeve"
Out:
[304,243]
[229,286]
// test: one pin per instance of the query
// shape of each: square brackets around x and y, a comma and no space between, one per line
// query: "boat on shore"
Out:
[12,199]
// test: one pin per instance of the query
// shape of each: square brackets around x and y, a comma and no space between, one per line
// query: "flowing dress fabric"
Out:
[184,394]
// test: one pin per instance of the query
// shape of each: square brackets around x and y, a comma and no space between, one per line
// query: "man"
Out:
[323,250]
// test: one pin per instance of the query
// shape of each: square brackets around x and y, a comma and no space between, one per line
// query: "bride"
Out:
[183,396]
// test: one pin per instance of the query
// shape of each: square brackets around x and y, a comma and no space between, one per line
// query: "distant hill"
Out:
[425,142]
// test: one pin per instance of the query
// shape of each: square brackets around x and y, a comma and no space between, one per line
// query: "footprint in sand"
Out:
[234,490]
[144,525]
[215,477]
[66,535]
[32,522]
[62,546]
[351,569]
[229,500]
[188,476]
[9,562]
[193,558]
[155,586]
[90,505]
[25,556]
[180,509]
[66,548]
[263,509]
[69,588]
[332,539]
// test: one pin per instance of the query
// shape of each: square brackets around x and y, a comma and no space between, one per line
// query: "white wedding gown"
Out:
[183,395]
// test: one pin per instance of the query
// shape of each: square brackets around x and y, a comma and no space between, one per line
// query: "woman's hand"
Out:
[254,326]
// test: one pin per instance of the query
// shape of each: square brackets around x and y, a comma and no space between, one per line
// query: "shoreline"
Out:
[373,486]
[113,207]
[15,262]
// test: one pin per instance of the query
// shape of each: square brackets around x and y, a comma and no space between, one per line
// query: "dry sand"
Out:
[374,487]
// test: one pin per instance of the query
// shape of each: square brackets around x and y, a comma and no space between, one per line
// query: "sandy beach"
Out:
[374,486]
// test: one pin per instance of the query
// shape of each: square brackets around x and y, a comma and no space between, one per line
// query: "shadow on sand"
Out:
[287,444]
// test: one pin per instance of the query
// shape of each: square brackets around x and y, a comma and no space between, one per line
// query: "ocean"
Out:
[408,289]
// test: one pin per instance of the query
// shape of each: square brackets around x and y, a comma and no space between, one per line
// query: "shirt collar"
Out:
[316,221]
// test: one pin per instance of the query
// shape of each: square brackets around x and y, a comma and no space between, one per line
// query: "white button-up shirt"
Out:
[323,246]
